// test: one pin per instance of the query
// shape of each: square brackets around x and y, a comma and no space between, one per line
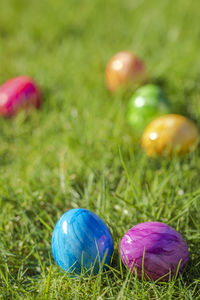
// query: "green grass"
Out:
[78,151]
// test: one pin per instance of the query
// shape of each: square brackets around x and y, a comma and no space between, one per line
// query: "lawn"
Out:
[78,151]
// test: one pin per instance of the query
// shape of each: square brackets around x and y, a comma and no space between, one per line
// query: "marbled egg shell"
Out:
[18,93]
[169,134]
[147,103]
[125,68]
[81,241]
[155,248]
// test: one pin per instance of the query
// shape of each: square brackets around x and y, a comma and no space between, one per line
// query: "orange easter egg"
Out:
[125,68]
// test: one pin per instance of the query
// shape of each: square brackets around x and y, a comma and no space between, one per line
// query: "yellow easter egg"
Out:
[169,134]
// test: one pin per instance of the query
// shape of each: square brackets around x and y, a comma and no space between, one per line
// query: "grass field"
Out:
[78,151]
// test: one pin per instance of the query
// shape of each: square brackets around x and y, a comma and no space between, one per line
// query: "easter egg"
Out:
[125,68]
[169,134]
[18,93]
[147,103]
[81,241]
[154,249]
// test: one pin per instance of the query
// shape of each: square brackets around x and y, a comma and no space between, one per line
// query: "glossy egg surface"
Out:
[124,68]
[147,103]
[169,134]
[155,249]
[81,241]
[18,93]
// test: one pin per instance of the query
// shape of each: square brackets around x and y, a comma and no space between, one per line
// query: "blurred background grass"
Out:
[78,150]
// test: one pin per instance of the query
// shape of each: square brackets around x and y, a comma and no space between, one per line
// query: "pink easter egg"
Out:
[18,93]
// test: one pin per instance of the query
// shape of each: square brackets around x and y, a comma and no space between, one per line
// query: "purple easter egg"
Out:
[18,93]
[155,248]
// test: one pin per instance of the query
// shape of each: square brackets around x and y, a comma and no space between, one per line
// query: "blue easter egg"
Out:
[81,241]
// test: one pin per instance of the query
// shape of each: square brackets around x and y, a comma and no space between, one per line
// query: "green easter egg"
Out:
[147,103]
